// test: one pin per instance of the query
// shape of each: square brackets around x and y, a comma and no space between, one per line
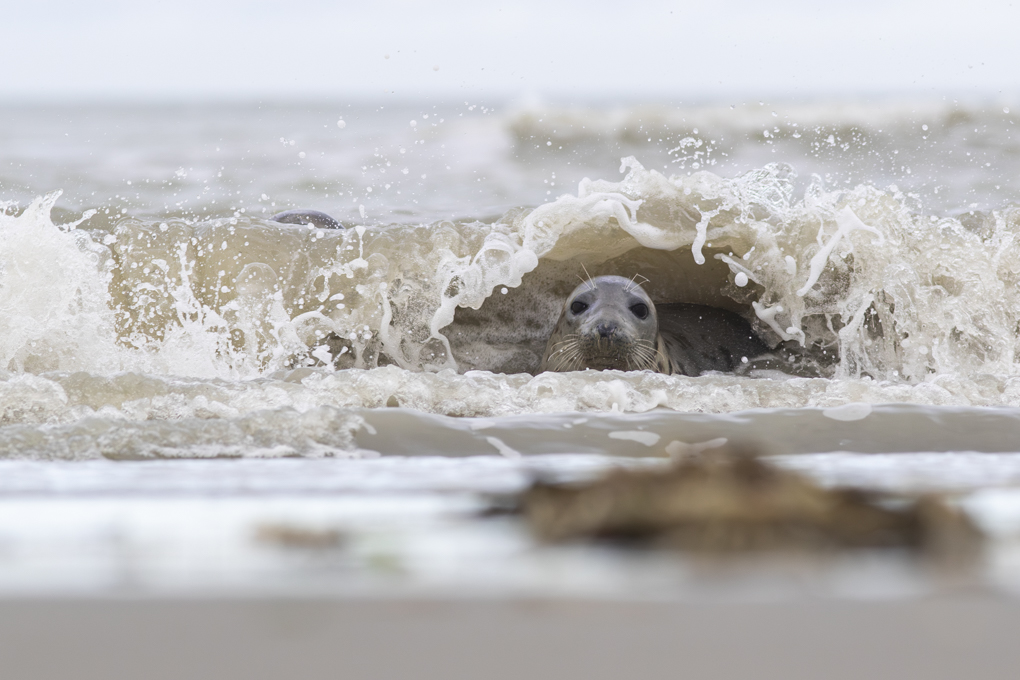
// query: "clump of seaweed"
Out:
[731,499]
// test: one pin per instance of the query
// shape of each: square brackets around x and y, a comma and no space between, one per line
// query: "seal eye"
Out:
[640,310]
[577,307]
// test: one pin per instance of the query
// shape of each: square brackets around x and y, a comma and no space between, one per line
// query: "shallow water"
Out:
[150,310]
[399,526]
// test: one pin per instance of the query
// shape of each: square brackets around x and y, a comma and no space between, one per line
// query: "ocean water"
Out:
[151,311]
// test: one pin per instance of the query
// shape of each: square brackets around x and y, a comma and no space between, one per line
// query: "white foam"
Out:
[678,449]
[848,412]
[911,309]
[504,450]
[646,438]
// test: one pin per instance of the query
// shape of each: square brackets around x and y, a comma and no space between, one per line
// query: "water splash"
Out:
[866,286]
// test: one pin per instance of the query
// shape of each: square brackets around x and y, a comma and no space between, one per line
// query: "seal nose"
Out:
[606,329]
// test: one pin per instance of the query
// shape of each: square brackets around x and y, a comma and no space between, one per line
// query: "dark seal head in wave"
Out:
[609,322]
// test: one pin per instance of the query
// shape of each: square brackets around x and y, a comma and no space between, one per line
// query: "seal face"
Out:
[609,322]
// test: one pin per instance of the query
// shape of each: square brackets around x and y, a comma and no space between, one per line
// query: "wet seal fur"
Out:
[609,322]
[313,218]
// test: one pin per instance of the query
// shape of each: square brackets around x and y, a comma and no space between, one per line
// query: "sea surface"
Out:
[193,395]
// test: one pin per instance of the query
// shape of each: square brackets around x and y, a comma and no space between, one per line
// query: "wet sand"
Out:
[951,637]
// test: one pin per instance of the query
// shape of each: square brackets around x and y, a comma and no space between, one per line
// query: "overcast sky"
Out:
[484,50]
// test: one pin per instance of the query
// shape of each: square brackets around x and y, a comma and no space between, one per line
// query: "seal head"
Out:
[608,322]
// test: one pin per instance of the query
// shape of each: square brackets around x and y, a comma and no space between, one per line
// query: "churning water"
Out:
[149,307]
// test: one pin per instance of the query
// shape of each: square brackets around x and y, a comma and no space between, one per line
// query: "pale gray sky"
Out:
[678,50]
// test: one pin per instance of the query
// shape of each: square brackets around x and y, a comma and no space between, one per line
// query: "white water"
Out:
[180,318]
[154,290]
[876,243]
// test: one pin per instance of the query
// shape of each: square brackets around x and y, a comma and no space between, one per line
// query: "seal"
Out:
[311,217]
[610,323]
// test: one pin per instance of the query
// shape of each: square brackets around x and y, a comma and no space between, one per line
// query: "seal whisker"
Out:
[644,346]
[575,363]
[567,362]
[560,364]
[564,344]
[647,347]
[644,349]
[569,355]
[638,364]
[642,357]
[633,282]
[644,360]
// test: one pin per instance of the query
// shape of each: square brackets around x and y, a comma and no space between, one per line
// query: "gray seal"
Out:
[609,322]
[314,218]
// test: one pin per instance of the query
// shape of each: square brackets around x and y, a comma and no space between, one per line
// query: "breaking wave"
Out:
[183,319]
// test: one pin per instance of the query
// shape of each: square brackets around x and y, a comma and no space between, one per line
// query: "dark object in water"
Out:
[312,217]
[701,338]
[288,536]
[732,500]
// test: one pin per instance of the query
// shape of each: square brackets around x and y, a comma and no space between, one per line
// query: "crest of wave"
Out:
[851,273]
[56,311]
